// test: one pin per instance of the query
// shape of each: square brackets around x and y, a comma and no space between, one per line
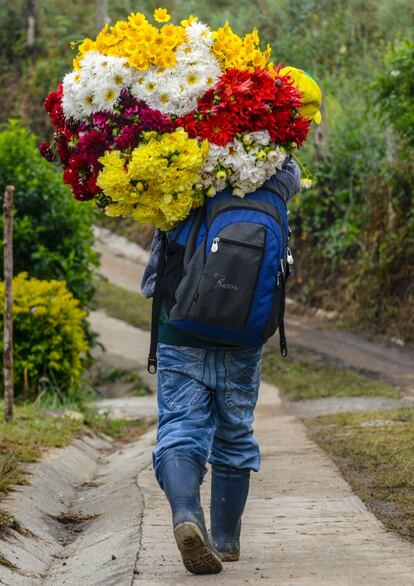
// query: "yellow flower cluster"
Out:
[137,40]
[234,52]
[157,184]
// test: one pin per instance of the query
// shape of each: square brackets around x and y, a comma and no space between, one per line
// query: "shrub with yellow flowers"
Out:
[48,334]
[156,116]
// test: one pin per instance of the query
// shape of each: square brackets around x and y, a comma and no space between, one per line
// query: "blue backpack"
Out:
[222,272]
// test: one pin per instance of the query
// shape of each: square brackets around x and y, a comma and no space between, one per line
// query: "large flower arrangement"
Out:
[153,119]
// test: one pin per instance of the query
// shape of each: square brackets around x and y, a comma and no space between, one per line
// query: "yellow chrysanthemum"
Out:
[185,23]
[157,182]
[234,52]
[161,15]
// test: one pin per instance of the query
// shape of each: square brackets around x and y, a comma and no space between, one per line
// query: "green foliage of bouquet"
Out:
[52,235]
[49,337]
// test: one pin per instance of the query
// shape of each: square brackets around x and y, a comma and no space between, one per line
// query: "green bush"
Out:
[49,337]
[52,232]
[395,90]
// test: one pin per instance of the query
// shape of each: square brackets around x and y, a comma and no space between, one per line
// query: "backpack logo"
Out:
[221,283]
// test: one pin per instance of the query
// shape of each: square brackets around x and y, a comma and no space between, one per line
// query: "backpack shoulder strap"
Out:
[156,307]
[270,187]
[198,220]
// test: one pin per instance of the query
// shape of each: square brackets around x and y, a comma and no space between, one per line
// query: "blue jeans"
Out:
[206,400]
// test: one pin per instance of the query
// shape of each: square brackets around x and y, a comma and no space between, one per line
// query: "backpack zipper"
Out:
[274,214]
[215,243]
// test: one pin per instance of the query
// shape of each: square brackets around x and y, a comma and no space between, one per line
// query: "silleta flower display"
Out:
[154,119]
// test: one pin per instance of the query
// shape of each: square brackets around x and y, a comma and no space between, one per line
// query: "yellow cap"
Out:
[311,92]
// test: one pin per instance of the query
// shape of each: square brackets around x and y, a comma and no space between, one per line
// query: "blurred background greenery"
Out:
[353,231]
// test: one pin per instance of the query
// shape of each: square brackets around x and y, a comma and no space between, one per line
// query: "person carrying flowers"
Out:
[194,130]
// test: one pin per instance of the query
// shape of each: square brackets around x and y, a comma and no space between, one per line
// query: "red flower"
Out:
[50,102]
[129,137]
[92,145]
[235,82]
[243,102]
[81,193]
[77,163]
[63,150]
[217,129]
[91,184]
[46,151]
[70,176]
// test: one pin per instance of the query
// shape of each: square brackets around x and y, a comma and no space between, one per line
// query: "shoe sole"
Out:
[229,556]
[198,556]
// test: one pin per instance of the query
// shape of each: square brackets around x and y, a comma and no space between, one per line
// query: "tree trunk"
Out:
[8,304]
[31,23]
[101,13]
[321,139]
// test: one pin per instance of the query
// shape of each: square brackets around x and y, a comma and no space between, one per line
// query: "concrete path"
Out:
[303,525]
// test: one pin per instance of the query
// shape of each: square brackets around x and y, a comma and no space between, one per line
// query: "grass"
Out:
[123,304]
[35,428]
[305,375]
[375,453]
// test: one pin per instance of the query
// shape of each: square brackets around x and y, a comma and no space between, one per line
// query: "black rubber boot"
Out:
[229,490]
[181,476]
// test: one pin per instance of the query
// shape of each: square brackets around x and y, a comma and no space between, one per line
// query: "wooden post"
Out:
[8,304]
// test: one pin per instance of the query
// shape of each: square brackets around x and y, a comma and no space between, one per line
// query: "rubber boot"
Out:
[181,476]
[229,490]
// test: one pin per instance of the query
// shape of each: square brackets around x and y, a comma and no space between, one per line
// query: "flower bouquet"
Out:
[154,118]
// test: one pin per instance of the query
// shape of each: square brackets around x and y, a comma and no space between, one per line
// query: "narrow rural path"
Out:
[303,525]
[123,262]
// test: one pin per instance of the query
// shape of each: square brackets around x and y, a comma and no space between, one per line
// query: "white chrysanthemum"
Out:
[245,170]
[105,69]
[199,34]
[74,84]
[261,137]
[86,102]
[106,96]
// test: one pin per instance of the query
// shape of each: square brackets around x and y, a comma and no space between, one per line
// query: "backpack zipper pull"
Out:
[289,256]
[214,246]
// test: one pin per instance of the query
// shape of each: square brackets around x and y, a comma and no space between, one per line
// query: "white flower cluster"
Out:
[244,163]
[177,89]
[96,86]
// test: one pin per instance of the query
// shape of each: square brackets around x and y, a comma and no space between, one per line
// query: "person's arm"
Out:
[150,273]
[287,180]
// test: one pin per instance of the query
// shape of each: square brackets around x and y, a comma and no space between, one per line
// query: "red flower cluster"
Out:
[244,102]
[80,145]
